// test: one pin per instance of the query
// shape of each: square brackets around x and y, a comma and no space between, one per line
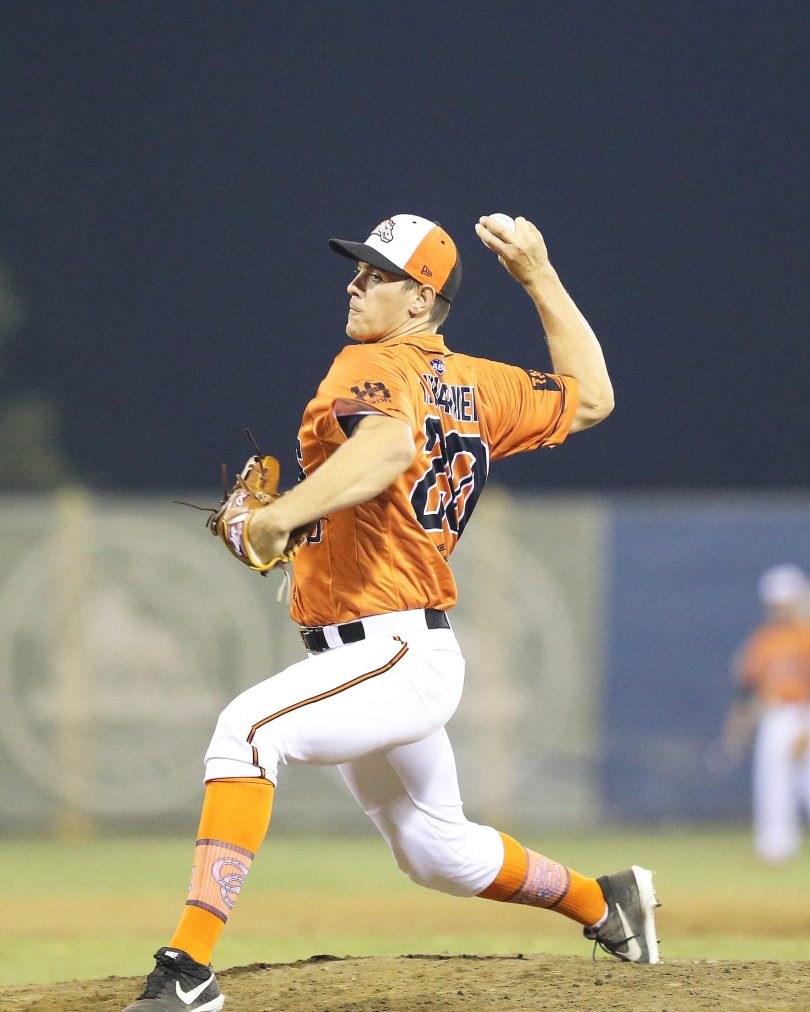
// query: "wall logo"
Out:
[122,636]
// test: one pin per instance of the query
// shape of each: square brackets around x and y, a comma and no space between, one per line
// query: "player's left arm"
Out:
[379,450]
[572,344]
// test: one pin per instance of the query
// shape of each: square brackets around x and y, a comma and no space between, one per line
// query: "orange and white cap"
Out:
[412,246]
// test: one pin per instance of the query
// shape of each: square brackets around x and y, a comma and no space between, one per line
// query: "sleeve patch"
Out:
[543,380]
[372,393]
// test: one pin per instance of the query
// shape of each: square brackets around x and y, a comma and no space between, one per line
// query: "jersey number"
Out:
[447,492]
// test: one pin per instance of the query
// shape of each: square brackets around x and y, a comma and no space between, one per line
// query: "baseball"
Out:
[504,219]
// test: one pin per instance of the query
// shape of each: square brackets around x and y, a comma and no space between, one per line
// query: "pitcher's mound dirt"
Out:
[410,983]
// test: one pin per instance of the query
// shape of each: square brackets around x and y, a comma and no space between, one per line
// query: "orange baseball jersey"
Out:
[775,663]
[391,553]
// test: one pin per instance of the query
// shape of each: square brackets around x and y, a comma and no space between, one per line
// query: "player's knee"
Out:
[438,869]
[457,860]
[229,731]
[232,751]
[430,873]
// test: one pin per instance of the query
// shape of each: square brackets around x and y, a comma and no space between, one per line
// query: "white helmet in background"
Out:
[782,585]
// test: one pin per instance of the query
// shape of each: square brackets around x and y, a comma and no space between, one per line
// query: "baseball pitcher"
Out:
[394,451]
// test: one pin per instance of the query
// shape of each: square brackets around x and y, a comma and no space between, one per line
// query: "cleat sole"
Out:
[649,903]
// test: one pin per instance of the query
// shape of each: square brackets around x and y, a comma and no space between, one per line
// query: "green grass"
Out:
[118,899]
[694,859]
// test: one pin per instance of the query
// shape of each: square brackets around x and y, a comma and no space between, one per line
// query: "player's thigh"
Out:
[345,703]
[421,772]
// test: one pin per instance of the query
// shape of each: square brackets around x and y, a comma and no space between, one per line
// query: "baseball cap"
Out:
[412,246]
[784,584]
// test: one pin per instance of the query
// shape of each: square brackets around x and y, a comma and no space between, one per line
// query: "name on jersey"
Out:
[456,401]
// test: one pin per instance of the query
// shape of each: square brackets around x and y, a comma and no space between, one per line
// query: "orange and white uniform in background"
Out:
[775,663]
[774,666]
[391,554]
[377,708]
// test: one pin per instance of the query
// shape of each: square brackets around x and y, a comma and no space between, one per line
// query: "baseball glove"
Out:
[256,486]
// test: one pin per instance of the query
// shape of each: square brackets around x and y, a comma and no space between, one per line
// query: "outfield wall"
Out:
[598,633]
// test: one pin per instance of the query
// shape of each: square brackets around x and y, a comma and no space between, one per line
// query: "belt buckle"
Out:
[309,630]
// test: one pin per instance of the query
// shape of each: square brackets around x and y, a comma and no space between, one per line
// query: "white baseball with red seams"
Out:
[503,219]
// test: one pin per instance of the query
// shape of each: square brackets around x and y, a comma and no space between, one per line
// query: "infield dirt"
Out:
[404,983]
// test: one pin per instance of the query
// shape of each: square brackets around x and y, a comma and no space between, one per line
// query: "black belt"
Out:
[352,632]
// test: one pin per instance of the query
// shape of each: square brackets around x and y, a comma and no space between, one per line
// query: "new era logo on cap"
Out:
[409,245]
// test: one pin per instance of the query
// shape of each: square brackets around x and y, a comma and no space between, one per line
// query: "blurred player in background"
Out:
[395,448]
[772,675]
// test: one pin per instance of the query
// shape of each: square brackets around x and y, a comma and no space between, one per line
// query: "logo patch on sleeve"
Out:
[542,380]
[372,393]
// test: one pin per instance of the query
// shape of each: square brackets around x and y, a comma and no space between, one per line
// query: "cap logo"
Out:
[426,271]
[385,230]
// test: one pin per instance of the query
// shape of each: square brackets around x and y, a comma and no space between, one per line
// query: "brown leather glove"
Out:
[255,487]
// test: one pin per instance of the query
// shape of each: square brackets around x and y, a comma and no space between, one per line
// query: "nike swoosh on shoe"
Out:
[187,997]
[633,953]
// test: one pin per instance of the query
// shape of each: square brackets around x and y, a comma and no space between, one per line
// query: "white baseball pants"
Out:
[376,709]
[781,781]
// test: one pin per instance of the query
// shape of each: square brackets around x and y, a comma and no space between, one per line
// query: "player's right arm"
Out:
[572,344]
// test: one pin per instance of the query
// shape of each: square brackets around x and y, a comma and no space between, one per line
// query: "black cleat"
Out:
[629,931]
[179,984]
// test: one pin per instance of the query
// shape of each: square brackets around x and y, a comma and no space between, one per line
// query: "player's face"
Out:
[379,304]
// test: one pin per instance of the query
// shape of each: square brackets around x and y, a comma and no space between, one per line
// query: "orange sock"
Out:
[538,881]
[234,821]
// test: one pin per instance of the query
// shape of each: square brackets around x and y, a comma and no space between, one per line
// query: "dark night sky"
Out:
[172,171]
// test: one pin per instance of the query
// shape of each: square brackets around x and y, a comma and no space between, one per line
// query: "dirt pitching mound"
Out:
[408,983]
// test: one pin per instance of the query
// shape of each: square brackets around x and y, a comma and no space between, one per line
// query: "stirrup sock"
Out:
[234,821]
[530,878]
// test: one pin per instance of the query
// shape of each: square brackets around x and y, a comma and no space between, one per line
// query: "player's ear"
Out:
[424,299]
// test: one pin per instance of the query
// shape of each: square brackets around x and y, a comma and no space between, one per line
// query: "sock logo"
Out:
[546,883]
[229,874]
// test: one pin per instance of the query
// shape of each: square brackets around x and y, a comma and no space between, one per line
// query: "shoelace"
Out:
[157,980]
[166,971]
[610,949]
